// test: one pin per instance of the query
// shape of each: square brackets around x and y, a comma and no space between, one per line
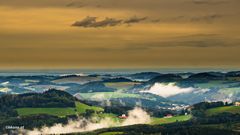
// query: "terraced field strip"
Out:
[158,121]
[60,112]
[229,109]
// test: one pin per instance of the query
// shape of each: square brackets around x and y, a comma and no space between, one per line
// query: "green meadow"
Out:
[158,121]
[121,85]
[107,95]
[218,110]
[60,112]
[112,133]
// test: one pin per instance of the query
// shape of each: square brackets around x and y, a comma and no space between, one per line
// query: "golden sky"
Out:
[119,34]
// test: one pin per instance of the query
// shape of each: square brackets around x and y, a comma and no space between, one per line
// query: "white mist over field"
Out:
[167,90]
[135,116]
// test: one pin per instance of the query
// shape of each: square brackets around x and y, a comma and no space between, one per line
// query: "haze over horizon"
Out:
[100,34]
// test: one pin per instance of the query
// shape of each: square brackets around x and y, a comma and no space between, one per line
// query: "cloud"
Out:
[75,4]
[193,41]
[5,83]
[209,2]
[206,18]
[167,90]
[86,22]
[5,90]
[92,22]
[186,19]
[135,19]
[107,22]
[135,116]
[82,125]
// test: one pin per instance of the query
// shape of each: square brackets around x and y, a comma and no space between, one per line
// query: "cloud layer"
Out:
[167,90]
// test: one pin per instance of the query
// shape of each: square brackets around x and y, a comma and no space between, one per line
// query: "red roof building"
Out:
[168,116]
[123,116]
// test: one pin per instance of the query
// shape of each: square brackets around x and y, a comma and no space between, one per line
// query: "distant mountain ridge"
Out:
[144,75]
[117,79]
[166,78]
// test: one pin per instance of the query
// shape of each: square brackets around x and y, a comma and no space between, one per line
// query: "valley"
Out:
[114,103]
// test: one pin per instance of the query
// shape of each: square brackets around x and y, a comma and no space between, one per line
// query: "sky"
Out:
[49,34]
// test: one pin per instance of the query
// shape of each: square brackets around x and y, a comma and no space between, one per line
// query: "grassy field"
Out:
[212,84]
[230,109]
[157,121]
[121,85]
[228,91]
[107,95]
[60,112]
[112,116]
[81,108]
[111,133]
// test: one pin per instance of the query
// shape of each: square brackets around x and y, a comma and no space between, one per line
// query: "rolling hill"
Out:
[225,109]
[60,112]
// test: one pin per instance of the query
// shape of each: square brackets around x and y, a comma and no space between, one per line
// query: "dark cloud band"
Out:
[92,22]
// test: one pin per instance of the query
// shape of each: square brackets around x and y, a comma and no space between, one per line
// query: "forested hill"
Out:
[35,110]
[50,98]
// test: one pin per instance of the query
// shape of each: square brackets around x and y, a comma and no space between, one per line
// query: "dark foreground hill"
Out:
[34,110]
[170,129]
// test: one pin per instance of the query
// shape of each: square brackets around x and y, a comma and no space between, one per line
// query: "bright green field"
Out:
[157,121]
[81,108]
[230,90]
[111,133]
[60,112]
[121,85]
[107,95]
[112,116]
[230,109]
[212,84]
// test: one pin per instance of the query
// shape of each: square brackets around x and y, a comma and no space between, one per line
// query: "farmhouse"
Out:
[168,116]
[123,116]
[237,103]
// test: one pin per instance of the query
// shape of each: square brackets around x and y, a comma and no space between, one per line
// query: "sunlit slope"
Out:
[218,110]
[60,112]
[180,118]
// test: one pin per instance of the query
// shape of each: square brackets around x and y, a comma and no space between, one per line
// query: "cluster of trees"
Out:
[50,98]
[220,118]
[198,110]
[208,105]
[200,117]
[178,129]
